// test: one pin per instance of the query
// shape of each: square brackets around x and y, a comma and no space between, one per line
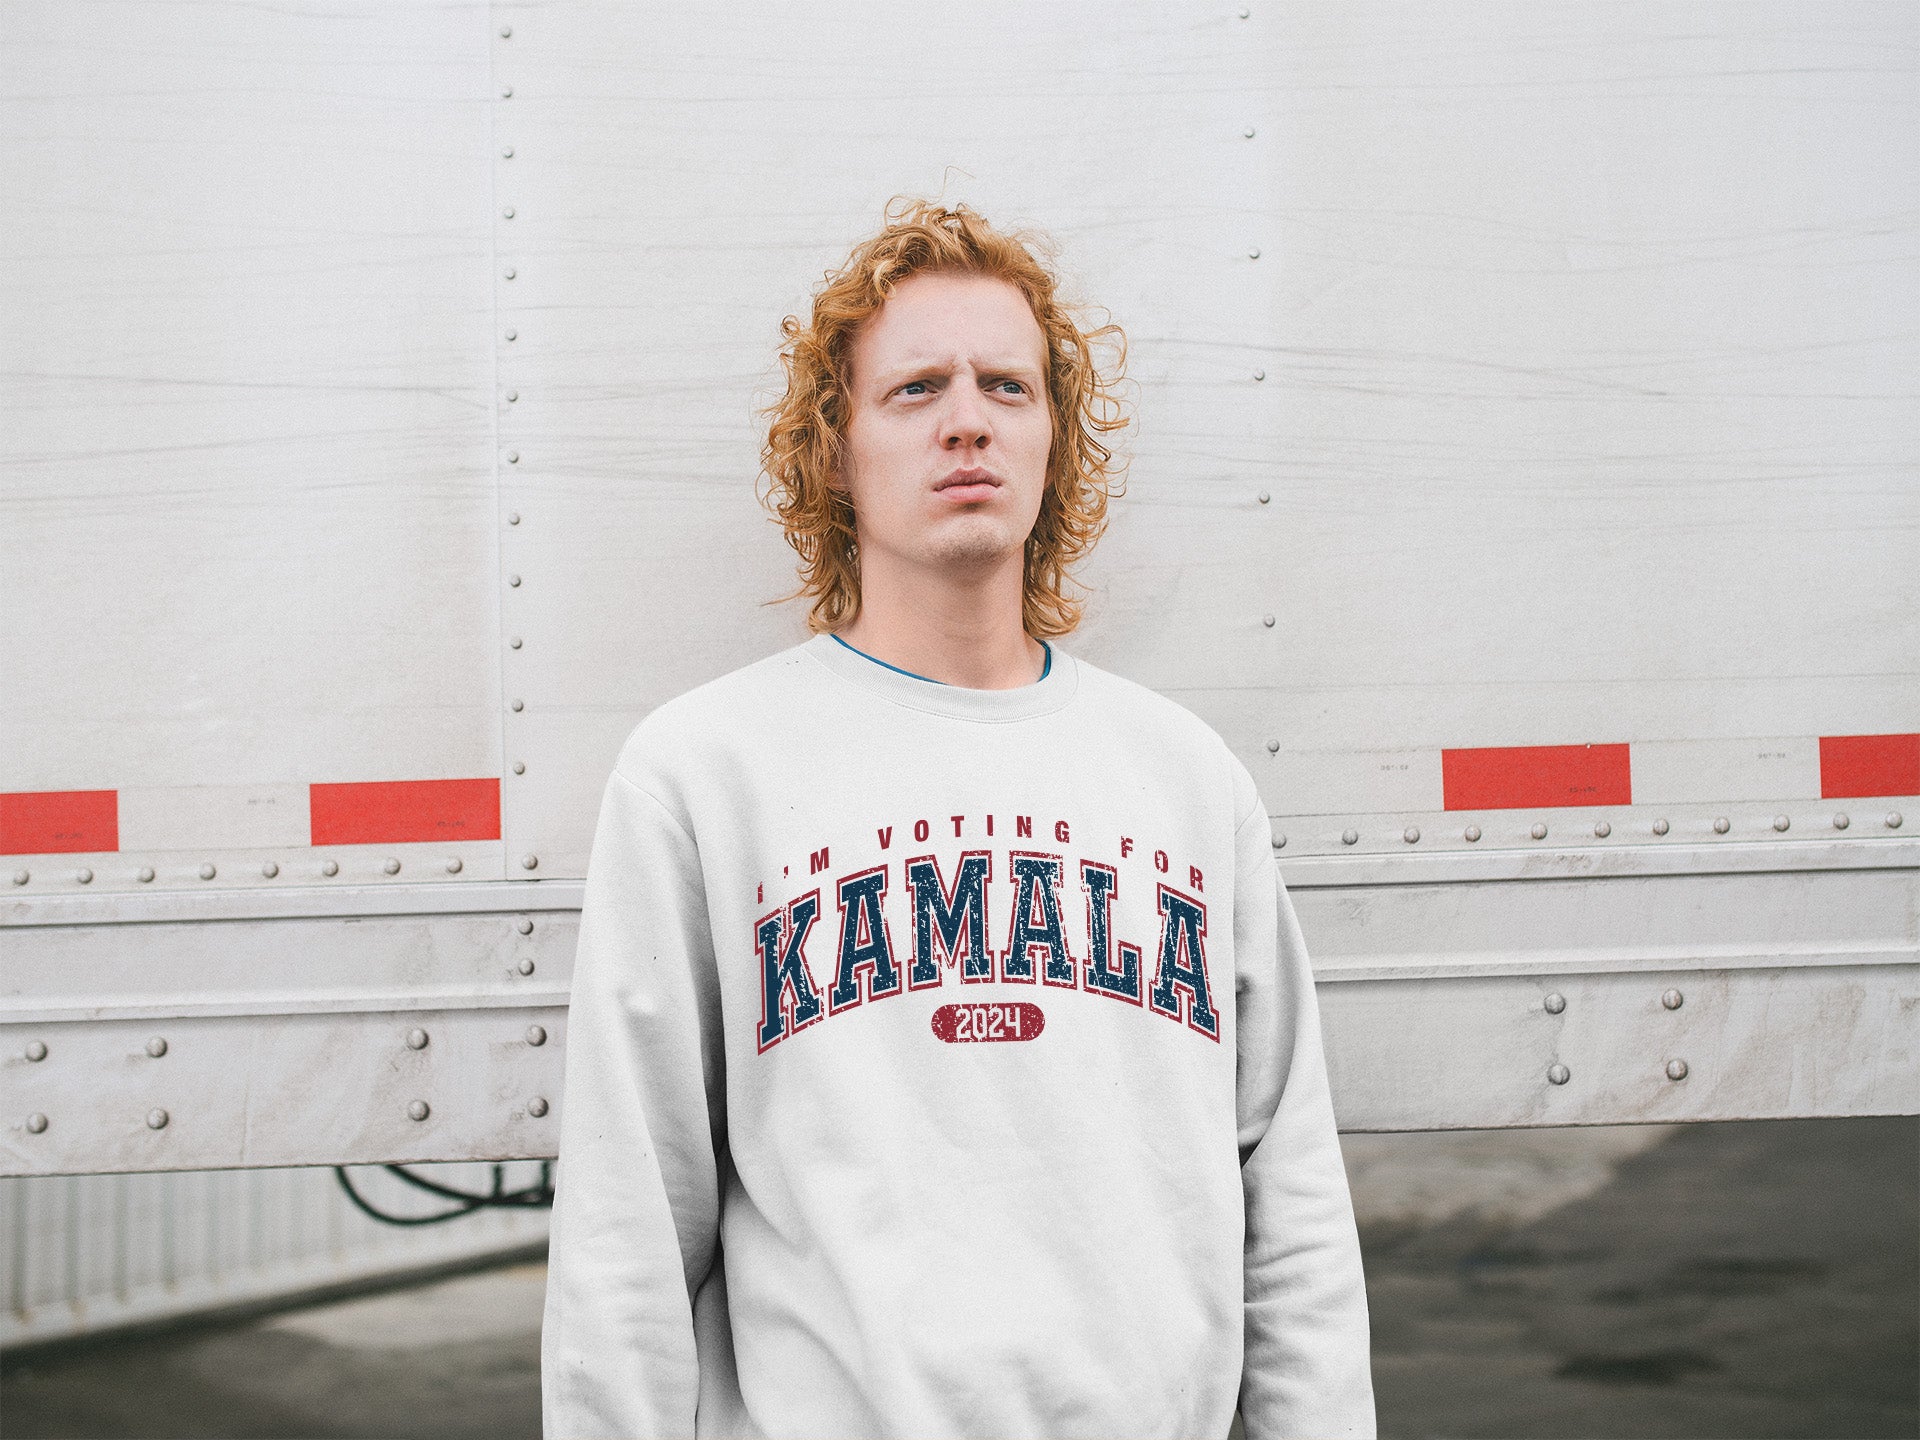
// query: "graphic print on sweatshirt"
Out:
[863,935]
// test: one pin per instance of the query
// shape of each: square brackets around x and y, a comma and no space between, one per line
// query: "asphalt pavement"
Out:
[1759,1279]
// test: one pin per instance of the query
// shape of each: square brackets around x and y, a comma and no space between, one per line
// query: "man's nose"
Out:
[964,423]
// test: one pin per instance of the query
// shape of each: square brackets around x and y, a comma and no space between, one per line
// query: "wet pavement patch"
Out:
[1749,1279]
[1656,1367]
[1719,1275]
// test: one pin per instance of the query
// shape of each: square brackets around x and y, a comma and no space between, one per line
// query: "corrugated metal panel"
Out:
[86,1253]
[1518,488]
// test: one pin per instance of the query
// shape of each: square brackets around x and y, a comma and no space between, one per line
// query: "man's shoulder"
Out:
[1140,706]
[1156,719]
[686,727]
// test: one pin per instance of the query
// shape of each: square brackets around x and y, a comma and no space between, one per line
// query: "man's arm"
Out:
[1308,1370]
[636,1204]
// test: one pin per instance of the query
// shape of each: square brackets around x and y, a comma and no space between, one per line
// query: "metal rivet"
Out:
[1259,374]
[1555,1003]
[453,865]
[1672,999]
[1350,837]
[1253,252]
[519,767]
[509,272]
[536,1034]
[506,212]
[518,706]
[1265,497]
[1676,1069]
[1720,826]
[85,877]
[1273,747]
[536,1107]
[515,642]
[1660,827]
[1559,1074]
[36,1050]
[1267,620]
[513,517]
[1781,822]
[392,867]
[416,1039]
[1539,831]
[506,153]
[270,869]
[1893,819]
[156,1119]
[526,967]
[526,927]
[1412,835]
[1248,132]
[1841,821]
[513,457]
[1279,842]
[330,867]
[146,874]
[513,334]
[21,877]
[157,1046]
[418,1110]
[506,32]
[1602,830]
[206,872]
[1473,833]
[36,1123]
[506,92]
[512,396]
[514,581]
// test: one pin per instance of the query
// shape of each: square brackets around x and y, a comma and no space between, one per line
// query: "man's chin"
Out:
[975,547]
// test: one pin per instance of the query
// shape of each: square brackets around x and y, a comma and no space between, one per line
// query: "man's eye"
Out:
[912,385]
[1016,385]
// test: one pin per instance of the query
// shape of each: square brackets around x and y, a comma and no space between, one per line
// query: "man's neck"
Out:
[960,635]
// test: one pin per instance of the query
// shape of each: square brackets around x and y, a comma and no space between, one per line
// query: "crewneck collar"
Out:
[1043,696]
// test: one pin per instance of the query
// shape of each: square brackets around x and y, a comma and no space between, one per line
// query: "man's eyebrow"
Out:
[898,374]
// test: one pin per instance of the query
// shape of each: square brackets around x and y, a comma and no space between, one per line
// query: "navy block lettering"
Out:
[788,1001]
[1102,883]
[943,914]
[1037,879]
[864,941]
[1183,963]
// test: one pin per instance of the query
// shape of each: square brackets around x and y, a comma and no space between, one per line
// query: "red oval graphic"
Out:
[989,1020]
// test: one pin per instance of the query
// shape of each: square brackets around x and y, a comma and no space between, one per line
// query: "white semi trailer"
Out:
[1526,484]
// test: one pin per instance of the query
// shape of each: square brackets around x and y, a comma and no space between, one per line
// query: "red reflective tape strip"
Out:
[59,822]
[396,812]
[1516,777]
[1869,765]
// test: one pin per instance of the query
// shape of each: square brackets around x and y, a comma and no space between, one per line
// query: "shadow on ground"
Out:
[1758,1279]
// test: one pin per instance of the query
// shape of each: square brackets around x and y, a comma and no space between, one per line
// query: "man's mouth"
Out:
[974,483]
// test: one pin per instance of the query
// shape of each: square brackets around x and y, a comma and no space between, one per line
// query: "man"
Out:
[943,1057]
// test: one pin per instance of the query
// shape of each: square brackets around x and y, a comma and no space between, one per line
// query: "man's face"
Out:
[948,383]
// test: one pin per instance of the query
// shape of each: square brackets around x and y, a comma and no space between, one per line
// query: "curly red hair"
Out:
[809,423]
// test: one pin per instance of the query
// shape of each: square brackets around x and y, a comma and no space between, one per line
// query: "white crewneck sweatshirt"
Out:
[944,1062]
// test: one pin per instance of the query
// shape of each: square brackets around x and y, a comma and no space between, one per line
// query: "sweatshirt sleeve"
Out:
[1308,1369]
[636,1192]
